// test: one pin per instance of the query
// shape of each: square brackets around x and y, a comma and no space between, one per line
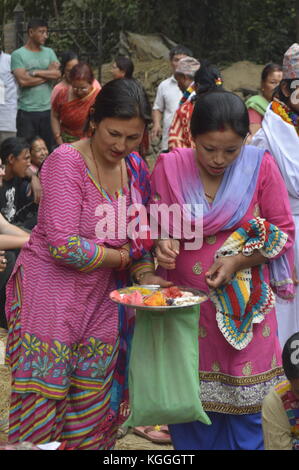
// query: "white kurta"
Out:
[281,139]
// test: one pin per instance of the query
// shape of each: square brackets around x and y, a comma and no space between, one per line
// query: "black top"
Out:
[15,204]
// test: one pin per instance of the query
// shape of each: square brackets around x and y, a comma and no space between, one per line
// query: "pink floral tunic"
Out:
[64,342]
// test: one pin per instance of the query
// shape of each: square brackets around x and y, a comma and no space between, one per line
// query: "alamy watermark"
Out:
[295,354]
[295,94]
[158,221]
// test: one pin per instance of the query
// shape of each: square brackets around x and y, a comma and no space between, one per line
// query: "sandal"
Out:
[157,434]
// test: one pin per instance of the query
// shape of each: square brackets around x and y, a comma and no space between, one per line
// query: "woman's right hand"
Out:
[167,252]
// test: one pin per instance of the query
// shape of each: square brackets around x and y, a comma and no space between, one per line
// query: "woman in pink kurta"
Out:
[234,184]
[67,340]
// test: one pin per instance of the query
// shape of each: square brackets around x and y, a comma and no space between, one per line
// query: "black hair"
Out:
[288,82]
[206,78]
[290,357]
[35,23]
[217,110]
[268,69]
[180,50]
[32,140]
[12,146]
[66,57]
[122,98]
[82,71]
[126,65]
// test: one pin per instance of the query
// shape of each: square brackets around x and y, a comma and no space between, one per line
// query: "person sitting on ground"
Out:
[38,153]
[16,196]
[12,239]
[206,78]
[27,215]
[122,67]
[280,410]
[71,106]
[257,104]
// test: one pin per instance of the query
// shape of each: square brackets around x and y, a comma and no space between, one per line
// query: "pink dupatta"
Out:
[176,180]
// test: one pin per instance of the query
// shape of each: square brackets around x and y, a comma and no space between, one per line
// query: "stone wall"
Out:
[9,38]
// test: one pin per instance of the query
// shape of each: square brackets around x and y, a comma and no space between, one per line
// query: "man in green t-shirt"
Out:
[35,68]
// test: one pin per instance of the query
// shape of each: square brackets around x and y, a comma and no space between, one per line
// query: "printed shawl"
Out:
[247,298]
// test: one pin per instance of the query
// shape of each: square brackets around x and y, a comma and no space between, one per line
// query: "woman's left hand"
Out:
[221,272]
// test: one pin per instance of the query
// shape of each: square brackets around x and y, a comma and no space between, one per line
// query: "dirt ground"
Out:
[4,389]
[133,442]
[130,442]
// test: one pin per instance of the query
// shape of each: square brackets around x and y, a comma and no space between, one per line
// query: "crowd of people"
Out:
[69,148]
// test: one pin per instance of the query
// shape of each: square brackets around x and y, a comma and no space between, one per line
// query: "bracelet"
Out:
[140,276]
[125,260]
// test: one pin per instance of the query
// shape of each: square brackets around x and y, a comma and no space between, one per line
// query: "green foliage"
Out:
[223,31]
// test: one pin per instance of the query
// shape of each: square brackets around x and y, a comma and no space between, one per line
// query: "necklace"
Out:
[210,197]
[97,168]
[286,113]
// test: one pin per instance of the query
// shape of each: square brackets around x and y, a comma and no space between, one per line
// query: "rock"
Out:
[243,78]
[145,48]
[149,73]
[150,54]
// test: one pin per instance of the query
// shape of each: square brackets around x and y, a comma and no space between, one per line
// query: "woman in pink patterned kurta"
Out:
[235,184]
[64,343]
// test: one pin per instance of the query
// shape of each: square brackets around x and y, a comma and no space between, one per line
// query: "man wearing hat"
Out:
[280,135]
[179,132]
[184,75]
[167,99]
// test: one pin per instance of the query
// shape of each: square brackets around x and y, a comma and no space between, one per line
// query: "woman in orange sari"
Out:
[71,106]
